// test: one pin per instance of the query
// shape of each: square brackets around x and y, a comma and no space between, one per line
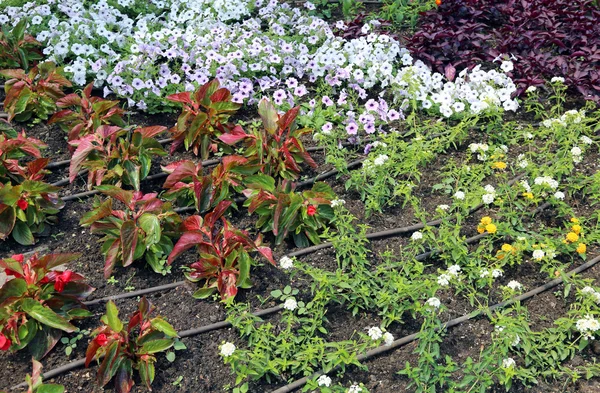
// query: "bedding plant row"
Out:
[418,133]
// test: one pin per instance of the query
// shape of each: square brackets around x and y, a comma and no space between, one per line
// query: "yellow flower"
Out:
[528,195]
[572,237]
[500,165]
[507,248]
[486,220]
[491,228]
[480,229]
[576,228]
[581,248]
[574,220]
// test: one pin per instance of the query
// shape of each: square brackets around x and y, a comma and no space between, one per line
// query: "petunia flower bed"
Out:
[317,213]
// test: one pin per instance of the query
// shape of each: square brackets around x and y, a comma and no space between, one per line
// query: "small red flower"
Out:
[22,203]
[101,339]
[438,2]
[5,343]
[18,257]
[61,280]
[311,210]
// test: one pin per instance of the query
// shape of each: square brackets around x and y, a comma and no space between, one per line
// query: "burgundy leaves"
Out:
[548,38]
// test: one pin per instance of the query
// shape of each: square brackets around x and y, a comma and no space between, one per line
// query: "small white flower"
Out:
[489,189]
[529,135]
[514,285]
[576,151]
[338,202]
[558,79]
[227,349]
[531,89]
[484,273]
[433,302]
[454,270]
[587,326]
[380,160]
[559,195]
[443,280]
[324,380]
[516,341]
[290,304]
[459,195]
[354,388]
[586,140]
[538,255]
[388,338]
[286,263]
[497,273]
[507,66]
[416,236]
[508,363]
[443,207]
[488,198]
[375,333]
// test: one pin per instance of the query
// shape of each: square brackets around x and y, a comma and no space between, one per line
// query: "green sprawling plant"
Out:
[34,93]
[285,212]
[224,253]
[38,303]
[145,228]
[114,155]
[121,347]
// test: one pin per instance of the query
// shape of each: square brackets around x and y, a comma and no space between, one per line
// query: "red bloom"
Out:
[18,258]
[61,280]
[22,203]
[101,339]
[311,210]
[5,343]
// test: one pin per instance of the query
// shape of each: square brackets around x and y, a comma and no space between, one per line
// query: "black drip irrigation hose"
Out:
[453,322]
[191,332]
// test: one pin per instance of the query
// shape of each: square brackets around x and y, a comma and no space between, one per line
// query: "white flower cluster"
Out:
[490,194]
[324,380]
[592,292]
[508,363]
[416,236]
[514,285]
[433,302]
[587,326]
[286,263]
[227,349]
[445,278]
[480,148]
[375,333]
[290,304]
[495,273]
[569,117]
[546,181]
[338,202]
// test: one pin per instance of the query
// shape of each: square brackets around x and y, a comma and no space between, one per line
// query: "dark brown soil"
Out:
[200,365]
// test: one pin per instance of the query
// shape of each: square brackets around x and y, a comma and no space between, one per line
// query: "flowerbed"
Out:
[362,195]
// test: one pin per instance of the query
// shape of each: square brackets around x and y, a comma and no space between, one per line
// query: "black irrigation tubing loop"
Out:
[140,292]
[456,321]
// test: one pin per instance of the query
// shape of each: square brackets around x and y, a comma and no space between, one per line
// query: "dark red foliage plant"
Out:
[224,263]
[547,38]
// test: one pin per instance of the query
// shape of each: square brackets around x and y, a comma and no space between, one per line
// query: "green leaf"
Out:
[46,316]
[163,326]
[204,293]
[150,224]
[50,388]
[171,356]
[13,288]
[112,317]
[156,346]
[133,174]
[22,234]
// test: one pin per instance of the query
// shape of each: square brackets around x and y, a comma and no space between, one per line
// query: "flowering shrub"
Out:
[129,346]
[115,155]
[34,93]
[547,38]
[190,187]
[17,49]
[88,114]
[37,303]
[282,211]
[16,146]
[224,262]
[204,119]
[145,228]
